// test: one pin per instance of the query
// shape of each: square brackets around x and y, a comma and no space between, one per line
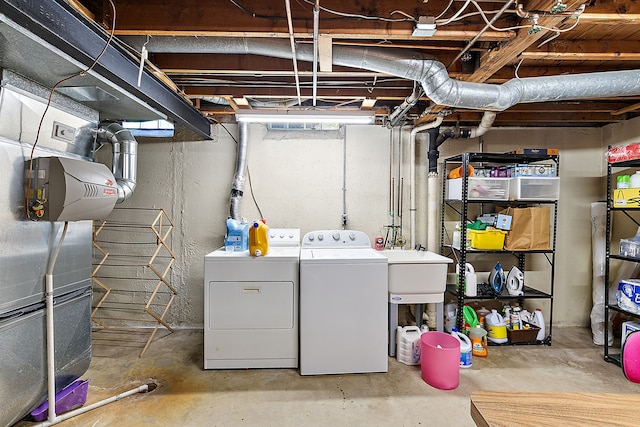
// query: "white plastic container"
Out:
[450,312]
[408,345]
[465,348]
[470,280]
[538,320]
[635,180]
[496,328]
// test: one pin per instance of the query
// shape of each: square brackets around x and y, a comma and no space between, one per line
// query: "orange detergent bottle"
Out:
[259,238]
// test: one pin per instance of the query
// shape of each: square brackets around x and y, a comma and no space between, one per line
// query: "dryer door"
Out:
[251,305]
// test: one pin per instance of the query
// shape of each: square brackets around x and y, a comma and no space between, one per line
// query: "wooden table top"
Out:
[490,408]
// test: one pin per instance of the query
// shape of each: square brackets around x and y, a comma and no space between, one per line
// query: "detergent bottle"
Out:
[259,238]
[496,327]
[408,345]
[538,320]
[237,238]
[465,348]
[478,338]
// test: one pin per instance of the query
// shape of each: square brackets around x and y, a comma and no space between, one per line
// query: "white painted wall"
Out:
[298,182]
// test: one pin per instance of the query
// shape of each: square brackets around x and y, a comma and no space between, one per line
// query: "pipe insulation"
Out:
[237,186]
[124,165]
[426,69]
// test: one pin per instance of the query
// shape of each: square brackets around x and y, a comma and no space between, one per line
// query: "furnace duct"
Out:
[237,186]
[425,69]
[124,157]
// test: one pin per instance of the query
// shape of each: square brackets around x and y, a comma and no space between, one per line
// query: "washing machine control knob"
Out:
[282,235]
[320,236]
[311,237]
[352,236]
[336,236]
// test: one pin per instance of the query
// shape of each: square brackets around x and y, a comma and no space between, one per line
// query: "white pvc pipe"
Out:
[412,176]
[82,410]
[51,352]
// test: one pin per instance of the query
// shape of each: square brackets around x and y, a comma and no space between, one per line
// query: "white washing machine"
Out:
[343,304]
[251,305]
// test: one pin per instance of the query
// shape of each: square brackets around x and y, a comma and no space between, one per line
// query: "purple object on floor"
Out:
[71,397]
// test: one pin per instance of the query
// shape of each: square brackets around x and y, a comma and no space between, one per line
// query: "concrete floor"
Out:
[187,395]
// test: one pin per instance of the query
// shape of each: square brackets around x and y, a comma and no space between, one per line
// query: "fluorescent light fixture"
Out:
[306,116]
[425,27]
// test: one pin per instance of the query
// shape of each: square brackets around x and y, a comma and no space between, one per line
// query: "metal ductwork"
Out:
[237,186]
[124,163]
[431,73]
[45,41]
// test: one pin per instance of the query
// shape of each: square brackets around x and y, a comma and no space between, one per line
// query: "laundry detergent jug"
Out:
[237,238]
[408,345]
[496,328]
[259,238]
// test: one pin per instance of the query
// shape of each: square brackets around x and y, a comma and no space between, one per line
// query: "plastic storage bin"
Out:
[487,239]
[440,360]
[534,188]
[479,188]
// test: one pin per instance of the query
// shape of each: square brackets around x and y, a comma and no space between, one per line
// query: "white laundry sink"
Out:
[416,272]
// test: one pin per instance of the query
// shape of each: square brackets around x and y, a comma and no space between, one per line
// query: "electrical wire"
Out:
[358,16]
[53,89]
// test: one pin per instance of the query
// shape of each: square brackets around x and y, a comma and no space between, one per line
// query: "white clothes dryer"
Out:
[251,305]
[343,304]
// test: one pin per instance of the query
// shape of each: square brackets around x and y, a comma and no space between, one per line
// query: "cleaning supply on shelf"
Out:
[507,314]
[634,180]
[478,338]
[259,238]
[408,345]
[465,348]
[496,328]
[537,319]
[470,280]
[623,182]
[482,313]
[237,238]
[515,322]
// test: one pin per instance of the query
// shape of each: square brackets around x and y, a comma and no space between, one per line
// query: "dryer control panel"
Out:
[336,239]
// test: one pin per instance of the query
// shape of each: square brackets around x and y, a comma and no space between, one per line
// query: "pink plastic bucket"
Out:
[440,360]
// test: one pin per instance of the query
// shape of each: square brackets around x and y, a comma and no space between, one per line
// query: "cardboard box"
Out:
[626,198]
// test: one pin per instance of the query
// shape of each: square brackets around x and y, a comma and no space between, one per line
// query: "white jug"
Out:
[470,280]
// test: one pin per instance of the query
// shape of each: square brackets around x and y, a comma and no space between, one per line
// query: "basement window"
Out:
[150,128]
[303,126]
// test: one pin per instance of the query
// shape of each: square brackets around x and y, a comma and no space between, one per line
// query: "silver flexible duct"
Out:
[237,186]
[124,165]
[427,70]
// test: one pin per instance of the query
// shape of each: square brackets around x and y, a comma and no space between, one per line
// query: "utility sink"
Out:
[416,272]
